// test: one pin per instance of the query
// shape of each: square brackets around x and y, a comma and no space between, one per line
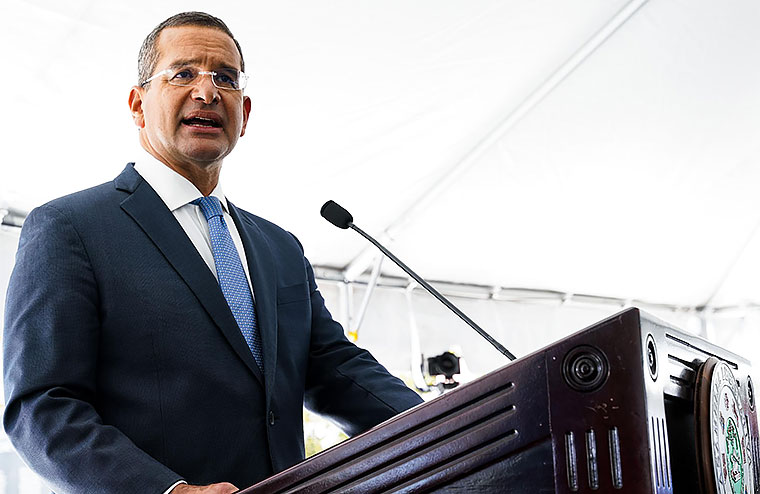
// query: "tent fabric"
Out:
[634,175]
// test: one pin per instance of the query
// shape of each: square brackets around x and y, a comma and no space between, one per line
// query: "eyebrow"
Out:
[195,61]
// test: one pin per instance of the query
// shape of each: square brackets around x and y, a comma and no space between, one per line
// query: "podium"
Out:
[609,409]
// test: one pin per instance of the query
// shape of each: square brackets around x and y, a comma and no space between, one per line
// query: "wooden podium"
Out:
[609,409]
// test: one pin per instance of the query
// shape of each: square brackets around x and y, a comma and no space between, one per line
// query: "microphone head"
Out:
[332,212]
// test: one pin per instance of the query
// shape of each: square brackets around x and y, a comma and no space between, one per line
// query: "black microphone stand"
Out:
[434,292]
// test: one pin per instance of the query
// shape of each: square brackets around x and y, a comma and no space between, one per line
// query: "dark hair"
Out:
[148,57]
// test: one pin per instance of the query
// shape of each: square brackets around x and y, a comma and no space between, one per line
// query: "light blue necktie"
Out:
[231,275]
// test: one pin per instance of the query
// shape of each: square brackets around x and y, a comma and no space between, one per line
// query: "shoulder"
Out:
[84,199]
[80,210]
[109,192]
[83,206]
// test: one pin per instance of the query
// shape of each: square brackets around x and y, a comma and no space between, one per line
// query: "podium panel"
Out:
[608,409]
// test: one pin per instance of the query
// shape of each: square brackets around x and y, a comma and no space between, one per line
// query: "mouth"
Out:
[202,122]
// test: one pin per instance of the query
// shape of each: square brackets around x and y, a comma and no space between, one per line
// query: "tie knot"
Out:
[210,206]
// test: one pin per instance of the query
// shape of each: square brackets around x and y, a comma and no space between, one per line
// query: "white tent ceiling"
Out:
[604,147]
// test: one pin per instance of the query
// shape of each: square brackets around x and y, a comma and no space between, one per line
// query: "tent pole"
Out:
[361,262]
[414,340]
[354,333]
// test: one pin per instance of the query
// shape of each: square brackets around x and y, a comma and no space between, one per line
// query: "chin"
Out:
[206,154]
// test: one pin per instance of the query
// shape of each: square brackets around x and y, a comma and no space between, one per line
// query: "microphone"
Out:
[332,212]
[335,214]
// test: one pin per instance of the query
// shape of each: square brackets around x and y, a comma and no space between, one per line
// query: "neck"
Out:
[205,176]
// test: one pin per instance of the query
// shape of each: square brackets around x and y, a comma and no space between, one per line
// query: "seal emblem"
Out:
[725,460]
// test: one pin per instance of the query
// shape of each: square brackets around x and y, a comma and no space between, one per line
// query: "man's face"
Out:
[167,114]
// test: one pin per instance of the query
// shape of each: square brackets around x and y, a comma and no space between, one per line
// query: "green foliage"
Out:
[319,433]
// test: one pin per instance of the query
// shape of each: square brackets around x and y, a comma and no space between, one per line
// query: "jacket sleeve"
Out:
[345,382]
[50,350]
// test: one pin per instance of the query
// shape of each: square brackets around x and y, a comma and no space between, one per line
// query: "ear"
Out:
[246,112]
[135,106]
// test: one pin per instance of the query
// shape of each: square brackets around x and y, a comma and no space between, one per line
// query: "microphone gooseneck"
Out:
[341,218]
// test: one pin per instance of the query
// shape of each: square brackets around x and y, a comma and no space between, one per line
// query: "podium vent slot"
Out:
[661,453]
[591,460]
[694,366]
[666,450]
[690,346]
[571,462]
[756,460]
[616,463]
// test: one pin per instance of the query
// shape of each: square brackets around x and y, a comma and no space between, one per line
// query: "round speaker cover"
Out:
[723,441]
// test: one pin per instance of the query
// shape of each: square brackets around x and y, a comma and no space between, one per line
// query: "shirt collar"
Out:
[174,189]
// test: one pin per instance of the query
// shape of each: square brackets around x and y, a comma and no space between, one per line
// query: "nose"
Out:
[205,91]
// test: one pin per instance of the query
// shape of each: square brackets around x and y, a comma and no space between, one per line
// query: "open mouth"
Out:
[201,122]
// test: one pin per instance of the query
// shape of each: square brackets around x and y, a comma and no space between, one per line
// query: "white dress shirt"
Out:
[177,192]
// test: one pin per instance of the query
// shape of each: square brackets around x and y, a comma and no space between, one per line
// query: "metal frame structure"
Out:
[362,261]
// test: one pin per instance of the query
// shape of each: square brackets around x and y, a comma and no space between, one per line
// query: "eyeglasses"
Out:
[187,76]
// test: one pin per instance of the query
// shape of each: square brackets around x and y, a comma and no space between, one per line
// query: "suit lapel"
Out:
[264,281]
[158,223]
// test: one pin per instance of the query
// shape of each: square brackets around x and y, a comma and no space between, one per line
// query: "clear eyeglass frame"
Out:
[223,79]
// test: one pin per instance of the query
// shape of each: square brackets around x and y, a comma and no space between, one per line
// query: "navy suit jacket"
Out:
[125,370]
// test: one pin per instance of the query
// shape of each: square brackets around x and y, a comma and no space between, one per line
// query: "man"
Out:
[156,334]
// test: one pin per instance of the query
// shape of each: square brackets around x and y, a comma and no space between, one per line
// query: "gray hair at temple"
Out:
[148,57]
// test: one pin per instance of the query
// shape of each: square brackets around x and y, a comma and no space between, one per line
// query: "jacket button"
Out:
[271,418]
